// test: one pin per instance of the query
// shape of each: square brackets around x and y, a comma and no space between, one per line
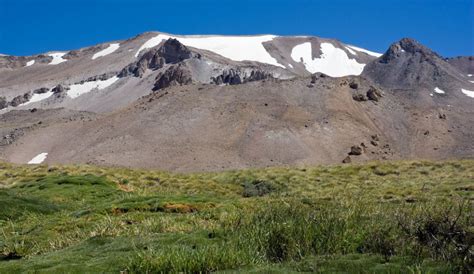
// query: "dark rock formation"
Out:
[3,102]
[41,90]
[174,75]
[171,52]
[59,89]
[359,97]
[354,85]
[236,77]
[355,150]
[374,94]
[21,99]
[101,77]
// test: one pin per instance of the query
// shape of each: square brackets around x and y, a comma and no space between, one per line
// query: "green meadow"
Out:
[380,217]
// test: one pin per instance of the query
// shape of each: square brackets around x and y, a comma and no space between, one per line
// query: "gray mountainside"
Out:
[177,107]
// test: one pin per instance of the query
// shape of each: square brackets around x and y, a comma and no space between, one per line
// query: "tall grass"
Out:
[287,230]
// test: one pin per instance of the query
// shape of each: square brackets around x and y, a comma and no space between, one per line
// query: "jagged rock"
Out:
[173,51]
[174,75]
[374,94]
[41,90]
[59,89]
[150,60]
[375,137]
[442,116]
[236,77]
[347,160]
[3,102]
[21,99]
[359,97]
[355,150]
[231,77]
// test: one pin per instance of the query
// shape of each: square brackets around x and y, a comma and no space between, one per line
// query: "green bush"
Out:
[258,188]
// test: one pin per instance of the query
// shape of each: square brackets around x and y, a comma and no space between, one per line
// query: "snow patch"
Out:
[438,90]
[351,51]
[376,54]
[57,58]
[30,63]
[469,93]
[244,48]
[111,48]
[38,97]
[38,159]
[471,81]
[290,65]
[333,61]
[77,90]
[469,75]
[431,94]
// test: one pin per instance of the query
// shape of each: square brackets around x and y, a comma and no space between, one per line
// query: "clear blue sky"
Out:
[35,26]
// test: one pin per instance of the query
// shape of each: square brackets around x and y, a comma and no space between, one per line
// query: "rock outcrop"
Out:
[21,99]
[174,75]
[174,52]
[59,89]
[237,76]
[171,52]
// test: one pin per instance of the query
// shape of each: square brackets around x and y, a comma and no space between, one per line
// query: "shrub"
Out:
[257,188]
[442,233]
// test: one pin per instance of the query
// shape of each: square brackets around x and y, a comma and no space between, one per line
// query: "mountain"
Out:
[409,65]
[190,103]
[215,58]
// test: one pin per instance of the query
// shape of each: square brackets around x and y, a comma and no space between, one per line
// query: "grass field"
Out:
[399,217]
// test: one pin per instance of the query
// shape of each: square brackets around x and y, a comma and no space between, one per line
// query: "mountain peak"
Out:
[407,46]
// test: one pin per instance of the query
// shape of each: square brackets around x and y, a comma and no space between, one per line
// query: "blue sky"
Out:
[34,26]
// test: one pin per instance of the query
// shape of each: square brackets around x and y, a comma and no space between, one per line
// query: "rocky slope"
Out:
[192,103]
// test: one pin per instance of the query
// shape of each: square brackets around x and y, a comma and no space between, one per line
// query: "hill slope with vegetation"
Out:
[377,217]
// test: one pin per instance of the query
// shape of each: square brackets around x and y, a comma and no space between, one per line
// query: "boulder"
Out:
[59,89]
[355,150]
[354,85]
[21,99]
[374,94]
[347,160]
[359,97]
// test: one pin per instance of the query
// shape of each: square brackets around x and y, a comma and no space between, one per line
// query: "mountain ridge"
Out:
[191,104]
